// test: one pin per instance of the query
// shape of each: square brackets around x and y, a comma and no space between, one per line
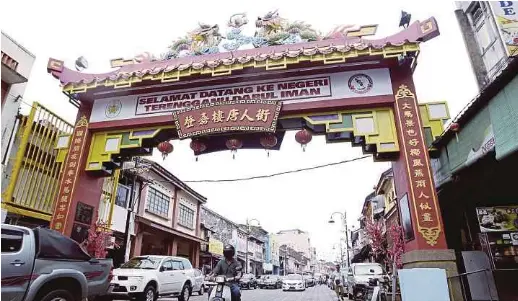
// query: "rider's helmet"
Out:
[229,251]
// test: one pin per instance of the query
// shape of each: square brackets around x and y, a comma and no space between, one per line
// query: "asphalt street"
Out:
[316,293]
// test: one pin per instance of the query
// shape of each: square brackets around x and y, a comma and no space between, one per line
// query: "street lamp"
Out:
[248,237]
[344,224]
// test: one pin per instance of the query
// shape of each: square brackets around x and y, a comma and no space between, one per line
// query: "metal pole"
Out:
[346,239]
[394,280]
[246,248]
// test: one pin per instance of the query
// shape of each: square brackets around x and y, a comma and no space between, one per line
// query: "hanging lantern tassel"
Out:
[268,141]
[198,147]
[303,137]
[165,148]
[233,144]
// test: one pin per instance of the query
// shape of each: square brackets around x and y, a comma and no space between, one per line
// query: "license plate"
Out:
[292,287]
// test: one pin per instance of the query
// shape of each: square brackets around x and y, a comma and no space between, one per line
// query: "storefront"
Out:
[475,175]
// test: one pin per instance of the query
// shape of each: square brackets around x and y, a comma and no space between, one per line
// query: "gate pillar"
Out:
[79,193]
[418,206]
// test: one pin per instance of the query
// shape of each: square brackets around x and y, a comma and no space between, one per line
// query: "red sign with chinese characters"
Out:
[69,173]
[228,116]
[425,205]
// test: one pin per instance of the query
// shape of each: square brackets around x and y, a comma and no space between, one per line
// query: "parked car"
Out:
[293,282]
[44,265]
[359,274]
[261,279]
[248,281]
[273,281]
[152,276]
[198,283]
[310,281]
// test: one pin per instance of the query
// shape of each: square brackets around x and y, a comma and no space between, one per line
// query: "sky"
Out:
[103,30]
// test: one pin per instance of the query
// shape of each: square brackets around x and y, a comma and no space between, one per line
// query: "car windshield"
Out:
[368,270]
[148,263]
[293,277]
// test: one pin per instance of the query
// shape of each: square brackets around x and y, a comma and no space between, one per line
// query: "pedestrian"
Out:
[338,283]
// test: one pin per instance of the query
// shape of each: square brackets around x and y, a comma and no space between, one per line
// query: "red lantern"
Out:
[233,144]
[303,137]
[198,147]
[268,141]
[165,148]
[454,127]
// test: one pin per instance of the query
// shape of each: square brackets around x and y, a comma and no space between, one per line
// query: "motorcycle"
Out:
[221,291]
[375,291]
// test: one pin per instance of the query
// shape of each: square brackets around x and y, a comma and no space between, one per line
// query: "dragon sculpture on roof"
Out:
[271,29]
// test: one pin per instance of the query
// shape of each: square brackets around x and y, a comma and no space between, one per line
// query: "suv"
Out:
[153,276]
[359,274]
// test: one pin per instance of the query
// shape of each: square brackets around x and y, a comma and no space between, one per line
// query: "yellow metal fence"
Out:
[34,168]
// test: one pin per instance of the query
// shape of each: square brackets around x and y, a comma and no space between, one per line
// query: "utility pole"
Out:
[249,230]
[346,239]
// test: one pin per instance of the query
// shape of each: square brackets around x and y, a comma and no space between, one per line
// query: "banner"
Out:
[215,246]
[288,90]
[506,16]
[498,219]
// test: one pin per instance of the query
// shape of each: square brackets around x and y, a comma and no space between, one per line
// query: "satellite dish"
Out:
[81,63]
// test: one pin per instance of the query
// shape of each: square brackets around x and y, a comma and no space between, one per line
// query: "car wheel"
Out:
[149,294]
[185,293]
[202,290]
[59,295]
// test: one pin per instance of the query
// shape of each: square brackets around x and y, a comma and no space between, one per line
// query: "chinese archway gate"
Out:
[344,86]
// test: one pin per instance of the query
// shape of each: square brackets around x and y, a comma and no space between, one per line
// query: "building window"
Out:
[157,202]
[186,216]
[122,196]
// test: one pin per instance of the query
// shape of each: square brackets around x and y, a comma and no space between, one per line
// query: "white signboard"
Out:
[351,84]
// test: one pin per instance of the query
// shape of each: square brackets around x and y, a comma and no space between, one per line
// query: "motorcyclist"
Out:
[231,269]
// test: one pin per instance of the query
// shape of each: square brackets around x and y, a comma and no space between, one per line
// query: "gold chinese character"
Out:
[245,115]
[417,163]
[413,142]
[58,226]
[217,116]
[60,216]
[262,115]
[233,115]
[204,119]
[408,114]
[73,156]
[420,183]
[427,217]
[62,207]
[189,121]
[425,206]
[78,141]
[71,172]
[422,195]
[66,189]
[415,152]
[418,173]
[76,148]
[406,106]
[64,198]
[72,164]
[68,181]
[79,133]
[409,123]
[411,133]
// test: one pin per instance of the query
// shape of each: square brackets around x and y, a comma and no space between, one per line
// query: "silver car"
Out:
[198,282]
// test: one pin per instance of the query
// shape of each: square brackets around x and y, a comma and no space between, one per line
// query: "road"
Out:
[317,293]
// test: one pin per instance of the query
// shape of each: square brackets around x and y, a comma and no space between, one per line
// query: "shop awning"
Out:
[147,222]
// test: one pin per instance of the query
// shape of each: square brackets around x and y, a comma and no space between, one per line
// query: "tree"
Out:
[98,240]
[374,230]
[398,246]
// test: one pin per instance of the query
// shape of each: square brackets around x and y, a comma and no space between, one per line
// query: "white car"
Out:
[149,277]
[198,283]
[293,282]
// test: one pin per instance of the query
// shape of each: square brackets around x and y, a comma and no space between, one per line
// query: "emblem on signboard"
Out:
[113,108]
[360,83]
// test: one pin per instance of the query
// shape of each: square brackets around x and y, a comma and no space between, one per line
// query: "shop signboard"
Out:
[506,15]
[498,219]
[215,246]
